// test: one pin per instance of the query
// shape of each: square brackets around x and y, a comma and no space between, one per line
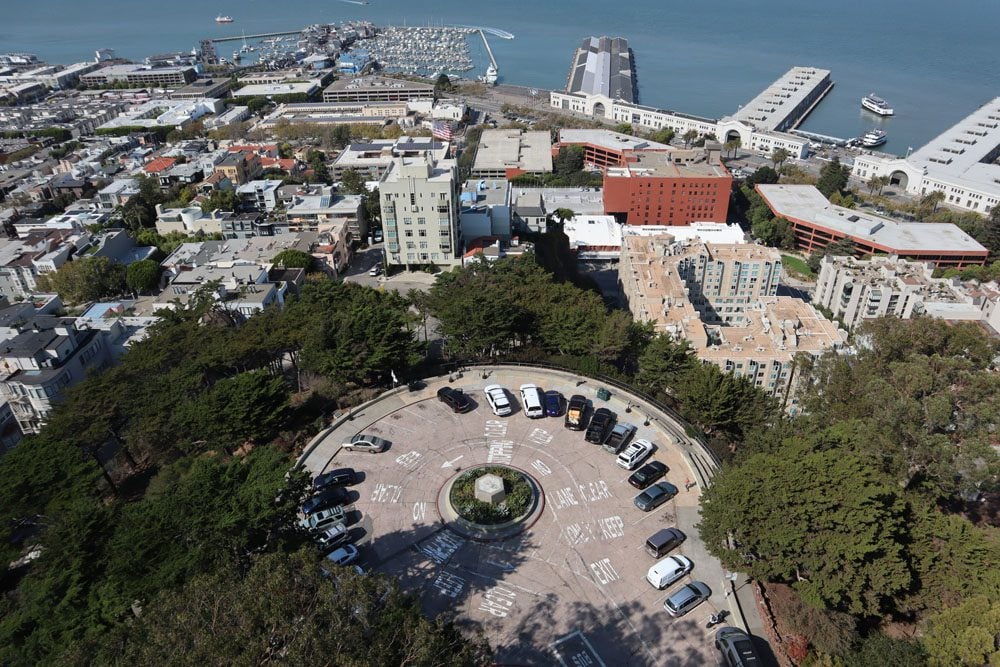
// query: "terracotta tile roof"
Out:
[159,164]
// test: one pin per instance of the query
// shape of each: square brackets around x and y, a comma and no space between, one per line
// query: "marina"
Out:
[423,51]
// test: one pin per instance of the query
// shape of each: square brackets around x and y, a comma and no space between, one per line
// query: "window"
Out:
[421,221]
[422,232]
[408,233]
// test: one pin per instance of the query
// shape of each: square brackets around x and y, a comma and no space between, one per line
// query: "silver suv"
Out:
[686,598]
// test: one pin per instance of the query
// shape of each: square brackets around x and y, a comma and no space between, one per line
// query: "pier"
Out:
[785,103]
[258,36]
[492,72]
[821,138]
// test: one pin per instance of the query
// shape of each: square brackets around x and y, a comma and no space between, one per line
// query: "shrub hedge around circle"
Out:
[515,485]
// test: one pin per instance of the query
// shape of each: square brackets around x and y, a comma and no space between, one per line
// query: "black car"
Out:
[600,425]
[338,477]
[655,496]
[647,474]
[454,399]
[576,413]
[334,495]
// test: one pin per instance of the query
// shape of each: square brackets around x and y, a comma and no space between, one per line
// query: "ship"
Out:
[876,104]
[223,19]
[874,137]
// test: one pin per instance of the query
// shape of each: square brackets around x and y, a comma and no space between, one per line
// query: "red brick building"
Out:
[674,188]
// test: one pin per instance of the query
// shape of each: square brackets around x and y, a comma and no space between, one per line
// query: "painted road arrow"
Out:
[451,464]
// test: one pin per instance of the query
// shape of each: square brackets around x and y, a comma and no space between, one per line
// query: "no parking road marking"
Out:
[574,650]
[498,601]
[408,460]
[442,547]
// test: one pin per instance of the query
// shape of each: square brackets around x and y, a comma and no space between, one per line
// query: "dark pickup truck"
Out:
[600,425]
[576,413]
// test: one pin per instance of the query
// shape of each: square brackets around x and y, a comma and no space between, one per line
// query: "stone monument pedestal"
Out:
[489,489]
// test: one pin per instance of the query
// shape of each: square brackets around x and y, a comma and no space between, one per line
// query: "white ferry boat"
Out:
[876,104]
[874,137]
[223,19]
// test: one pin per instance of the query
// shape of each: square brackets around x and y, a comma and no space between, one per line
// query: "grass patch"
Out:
[796,267]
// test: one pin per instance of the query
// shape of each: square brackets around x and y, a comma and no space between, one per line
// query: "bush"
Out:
[518,500]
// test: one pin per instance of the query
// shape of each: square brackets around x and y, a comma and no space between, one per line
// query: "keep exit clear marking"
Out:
[574,650]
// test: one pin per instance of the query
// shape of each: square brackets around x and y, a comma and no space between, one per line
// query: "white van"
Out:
[531,399]
[668,570]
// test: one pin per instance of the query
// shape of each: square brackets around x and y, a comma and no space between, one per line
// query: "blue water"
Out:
[934,61]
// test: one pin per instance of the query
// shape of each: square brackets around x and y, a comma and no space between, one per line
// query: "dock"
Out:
[820,138]
[603,66]
[258,36]
[785,103]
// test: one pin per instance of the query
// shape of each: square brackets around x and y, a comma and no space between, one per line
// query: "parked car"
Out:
[496,396]
[363,442]
[375,270]
[338,477]
[553,403]
[377,236]
[332,536]
[635,453]
[647,474]
[531,399]
[664,541]
[620,436]
[600,426]
[454,399]
[323,519]
[655,496]
[576,413]
[668,570]
[345,555]
[686,598]
[328,497]
[737,648]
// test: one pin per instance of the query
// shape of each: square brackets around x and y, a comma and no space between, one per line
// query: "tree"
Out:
[624,128]
[877,183]
[568,160]
[353,183]
[294,259]
[563,214]
[965,635]
[87,279]
[373,207]
[287,609]
[662,136]
[143,276]
[689,136]
[779,157]
[832,177]
[931,201]
[733,145]
[664,362]
[824,521]
[220,200]
[442,86]
[843,247]
[763,175]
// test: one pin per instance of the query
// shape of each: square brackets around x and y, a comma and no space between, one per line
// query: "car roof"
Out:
[526,387]
[552,392]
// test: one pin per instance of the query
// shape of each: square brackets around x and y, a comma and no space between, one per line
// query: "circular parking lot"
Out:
[570,588]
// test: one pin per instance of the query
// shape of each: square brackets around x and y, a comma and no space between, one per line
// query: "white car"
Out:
[333,535]
[497,398]
[635,453]
[668,570]
[323,519]
[345,555]
[531,399]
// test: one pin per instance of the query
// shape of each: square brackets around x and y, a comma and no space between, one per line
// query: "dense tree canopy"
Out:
[294,259]
[143,276]
[86,279]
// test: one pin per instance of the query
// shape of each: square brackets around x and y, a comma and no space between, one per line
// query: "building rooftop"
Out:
[513,149]
[283,88]
[603,66]
[967,151]
[774,104]
[610,140]
[376,83]
[581,200]
[807,204]
[671,164]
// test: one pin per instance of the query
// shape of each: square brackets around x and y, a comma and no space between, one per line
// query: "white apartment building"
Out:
[856,290]
[420,212]
[721,299]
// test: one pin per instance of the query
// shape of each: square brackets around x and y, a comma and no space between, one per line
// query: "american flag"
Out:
[441,129]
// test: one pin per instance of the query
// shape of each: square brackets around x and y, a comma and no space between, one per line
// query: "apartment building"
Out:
[855,290]
[371,159]
[420,212]
[376,89]
[510,153]
[722,300]
[323,213]
[46,355]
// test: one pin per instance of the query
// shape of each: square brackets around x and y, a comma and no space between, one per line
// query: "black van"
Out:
[664,541]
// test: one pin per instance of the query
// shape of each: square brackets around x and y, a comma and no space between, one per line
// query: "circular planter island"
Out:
[490,502]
